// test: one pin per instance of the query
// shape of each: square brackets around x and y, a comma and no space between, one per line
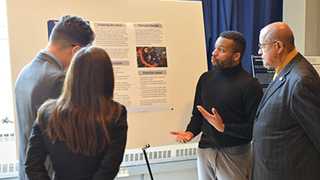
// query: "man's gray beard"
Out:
[266,66]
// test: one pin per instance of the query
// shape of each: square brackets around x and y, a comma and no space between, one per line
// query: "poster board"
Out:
[27,24]
[261,73]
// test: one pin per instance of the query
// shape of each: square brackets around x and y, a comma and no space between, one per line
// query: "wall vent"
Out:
[160,154]
[9,170]
[7,137]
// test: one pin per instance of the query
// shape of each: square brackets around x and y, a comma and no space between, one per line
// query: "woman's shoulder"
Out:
[44,113]
[121,106]
[120,112]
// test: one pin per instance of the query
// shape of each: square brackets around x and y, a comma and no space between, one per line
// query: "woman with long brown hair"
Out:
[83,131]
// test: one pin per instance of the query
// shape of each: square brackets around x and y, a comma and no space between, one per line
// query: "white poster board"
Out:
[185,41]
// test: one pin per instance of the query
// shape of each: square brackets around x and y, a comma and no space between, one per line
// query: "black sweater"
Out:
[236,95]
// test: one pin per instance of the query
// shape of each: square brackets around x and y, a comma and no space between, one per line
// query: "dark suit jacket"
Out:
[38,81]
[72,166]
[286,133]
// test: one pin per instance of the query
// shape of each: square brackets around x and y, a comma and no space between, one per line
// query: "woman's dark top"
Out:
[68,165]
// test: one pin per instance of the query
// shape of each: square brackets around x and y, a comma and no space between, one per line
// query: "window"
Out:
[8,156]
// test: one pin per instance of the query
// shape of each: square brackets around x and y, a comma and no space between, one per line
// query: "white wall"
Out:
[312,35]
[294,14]
[303,18]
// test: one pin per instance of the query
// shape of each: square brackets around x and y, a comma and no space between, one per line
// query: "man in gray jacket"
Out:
[43,77]
[286,136]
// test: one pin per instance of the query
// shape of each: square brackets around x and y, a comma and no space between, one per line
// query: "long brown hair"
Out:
[83,115]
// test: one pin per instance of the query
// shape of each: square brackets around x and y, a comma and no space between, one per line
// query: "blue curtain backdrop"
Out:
[245,16]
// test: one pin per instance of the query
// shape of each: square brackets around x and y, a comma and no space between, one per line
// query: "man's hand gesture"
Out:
[214,119]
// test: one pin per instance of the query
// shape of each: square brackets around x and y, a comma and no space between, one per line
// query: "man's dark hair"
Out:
[72,30]
[238,39]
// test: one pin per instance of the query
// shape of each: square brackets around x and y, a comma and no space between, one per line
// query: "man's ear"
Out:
[236,56]
[280,46]
[74,49]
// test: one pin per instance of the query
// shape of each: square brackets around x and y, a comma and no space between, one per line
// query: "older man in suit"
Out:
[43,77]
[286,136]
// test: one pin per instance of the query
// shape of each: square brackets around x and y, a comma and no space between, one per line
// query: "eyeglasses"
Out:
[261,45]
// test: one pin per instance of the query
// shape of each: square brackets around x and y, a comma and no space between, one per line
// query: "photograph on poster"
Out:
[151,57]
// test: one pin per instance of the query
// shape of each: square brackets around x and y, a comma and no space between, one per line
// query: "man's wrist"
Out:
[191,134]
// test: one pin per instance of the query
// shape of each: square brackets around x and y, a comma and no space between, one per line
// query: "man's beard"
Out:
[266,66]
[223,65]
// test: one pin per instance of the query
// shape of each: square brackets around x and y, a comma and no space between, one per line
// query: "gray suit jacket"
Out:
[286,133]
[38,81]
